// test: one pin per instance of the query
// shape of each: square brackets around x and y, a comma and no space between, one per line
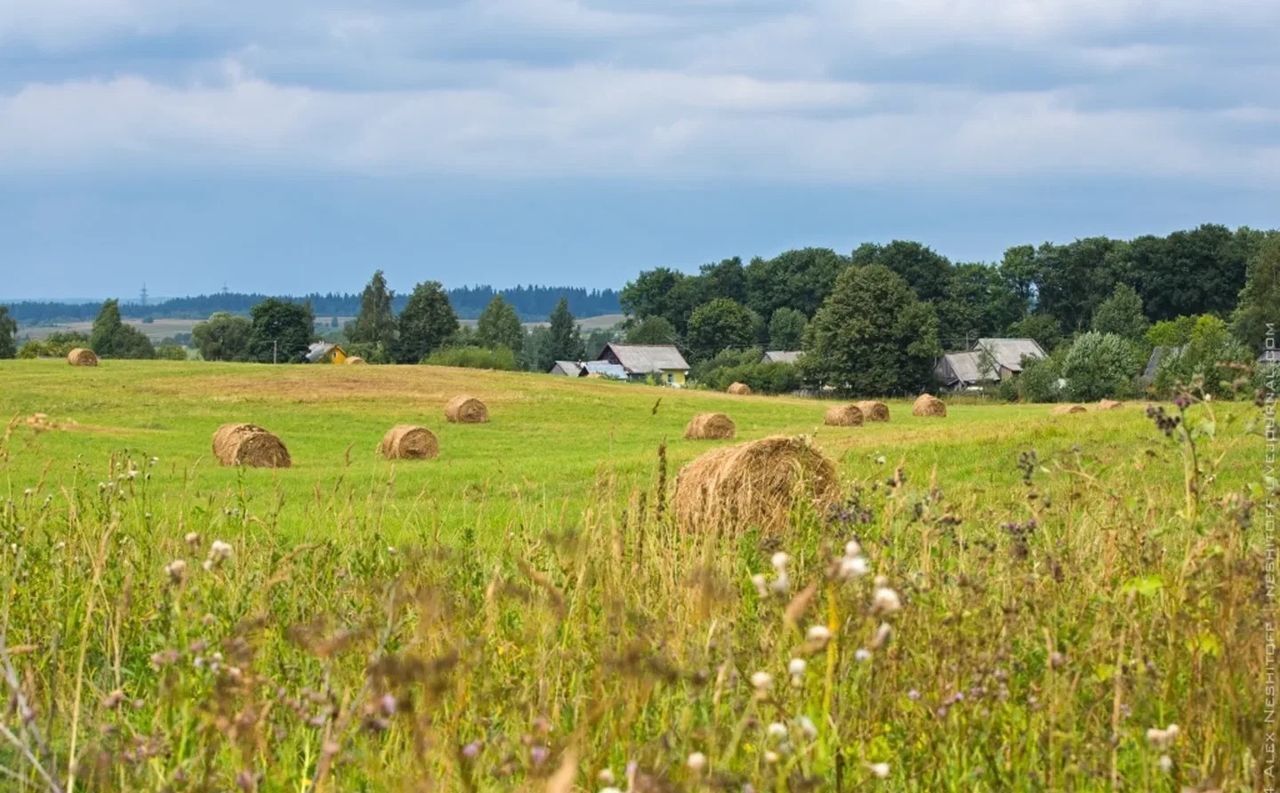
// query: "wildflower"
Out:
[538,754]
[1166,763]
[779,561]
[192,539]
[176,570]
[862,654]
[879,770]
[913,695]
[886,600]
[772,757]
[781,584]
[852,548]
[761,584]
[853,567]
[472,750]
[218,552]
[761,681]
[1162,738]
[776,730]
[818,633]
[882,636]
[796,669]
[696,762]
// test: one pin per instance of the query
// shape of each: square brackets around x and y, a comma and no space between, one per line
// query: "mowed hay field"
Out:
[1032,602]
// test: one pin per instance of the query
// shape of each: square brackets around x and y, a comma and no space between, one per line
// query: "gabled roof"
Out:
[1008,353]
[604,369]
[317,352]
[964,367]
[646,358]
[781,356]
[572,368]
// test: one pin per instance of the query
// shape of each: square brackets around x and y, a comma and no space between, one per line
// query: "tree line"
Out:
[531,303]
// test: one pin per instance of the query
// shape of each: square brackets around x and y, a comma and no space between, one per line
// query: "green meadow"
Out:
[523,612]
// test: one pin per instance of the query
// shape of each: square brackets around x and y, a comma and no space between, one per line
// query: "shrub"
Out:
[1039,381]
[471,357]
[1211,354]
[55,345]
[171,352]
[1100,365]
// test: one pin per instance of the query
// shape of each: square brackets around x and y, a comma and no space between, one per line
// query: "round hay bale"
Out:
[82,356]
[1062,410]
[709,426]
[249,444]
[409,442]
[741,389]
[753,484]
[355,360]
[873,410]
[464,409]
[843,416]
[929,405]
[1109,404]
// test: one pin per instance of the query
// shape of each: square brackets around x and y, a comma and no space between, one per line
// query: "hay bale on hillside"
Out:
[844,416]
[1062,410]
[929,405]
[873,410]
[249,444]
[81,356]
[464,409]
[409,442]
[709,426]
[741,389]
[355,360]
[753,484]
[1109,404]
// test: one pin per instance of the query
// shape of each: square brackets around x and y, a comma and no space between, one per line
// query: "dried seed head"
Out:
[818,633]
[697,761]
[176,570]
[761,584]
[1166,763]
[761,681]
[885,600]
[797,666]
[852,567]
[862,654]
[779,560]
[879,770]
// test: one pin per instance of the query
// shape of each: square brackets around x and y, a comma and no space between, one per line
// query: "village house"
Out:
[990,361]
[781,356]
[324,352]
[661,362]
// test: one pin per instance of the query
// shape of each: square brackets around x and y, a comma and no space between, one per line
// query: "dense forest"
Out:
[532,304]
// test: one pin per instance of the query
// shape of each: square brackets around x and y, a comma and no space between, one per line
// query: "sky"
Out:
[298,145]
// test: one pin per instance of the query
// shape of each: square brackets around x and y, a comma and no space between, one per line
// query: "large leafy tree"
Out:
[728,279]
[564,340]
[111,338]
[786,329]
[925,271]
[1100,365]
[872,336]
[647,295]
[222,337]
[8,334]
[375,324]
[654,330]
[978,301]
[1121,314]
[799,279]
[280,331]
[426,323]
[1191,272]
[1260,299]
[499,326]
[720,324]
[1075,278]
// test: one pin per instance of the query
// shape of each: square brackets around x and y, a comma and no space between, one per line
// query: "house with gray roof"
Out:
[782,356]
[1007,355]
[660,362]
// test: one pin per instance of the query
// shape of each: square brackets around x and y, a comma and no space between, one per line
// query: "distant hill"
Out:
[532,303]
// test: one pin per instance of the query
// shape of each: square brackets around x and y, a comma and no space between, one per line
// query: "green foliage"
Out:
[1100,365]
[472,357]
[369,353]
[926,272]
[652,330]
[799,279]
[744,366]
[425,324]
[1046,330]
[595,339]
[536,350]
[171,352]
[786,329]
[1212,355]
[1171,332]
[499,326]
[8,334]
[111,338]
[280,331]
[564,339]
[1039,380]
[977,302]
[1121,314]
[1073,279]
[721,324]
[872,336]
[223,337]
[1259,303]
[1191,272]
[55,345]
[376,323]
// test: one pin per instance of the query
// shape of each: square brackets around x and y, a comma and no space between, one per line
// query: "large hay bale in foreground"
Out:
[1062,410]
[843,416]
[873,410]
[81,356]
[464,409]
[249,444]
[1109,404]
[709,426]
[355,360]
[409,442]
[741,389]
[753,484]
[929,405]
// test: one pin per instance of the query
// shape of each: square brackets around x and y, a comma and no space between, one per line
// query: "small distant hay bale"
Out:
[249,444]
[355,360]
[1062,410]
[929,405]
[873,410]
[709,426]
[82,356]
[1109,404]
[844,416]
[741,389]
[753,484]
[464,409]
[409,442]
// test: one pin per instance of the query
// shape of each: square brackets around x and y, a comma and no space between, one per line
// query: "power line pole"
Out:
[275,349]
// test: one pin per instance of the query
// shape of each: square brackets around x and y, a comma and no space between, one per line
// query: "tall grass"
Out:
[1046,640]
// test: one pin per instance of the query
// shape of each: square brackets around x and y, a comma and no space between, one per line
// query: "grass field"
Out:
[521,613]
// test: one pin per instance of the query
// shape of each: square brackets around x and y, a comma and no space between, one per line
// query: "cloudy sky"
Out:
[297,145]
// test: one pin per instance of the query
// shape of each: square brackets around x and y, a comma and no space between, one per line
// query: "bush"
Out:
[370,351]
[471,357]
[1212,355]
[171,352]
[744,366]
[56,345]
[1039,381]
[1100,365]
